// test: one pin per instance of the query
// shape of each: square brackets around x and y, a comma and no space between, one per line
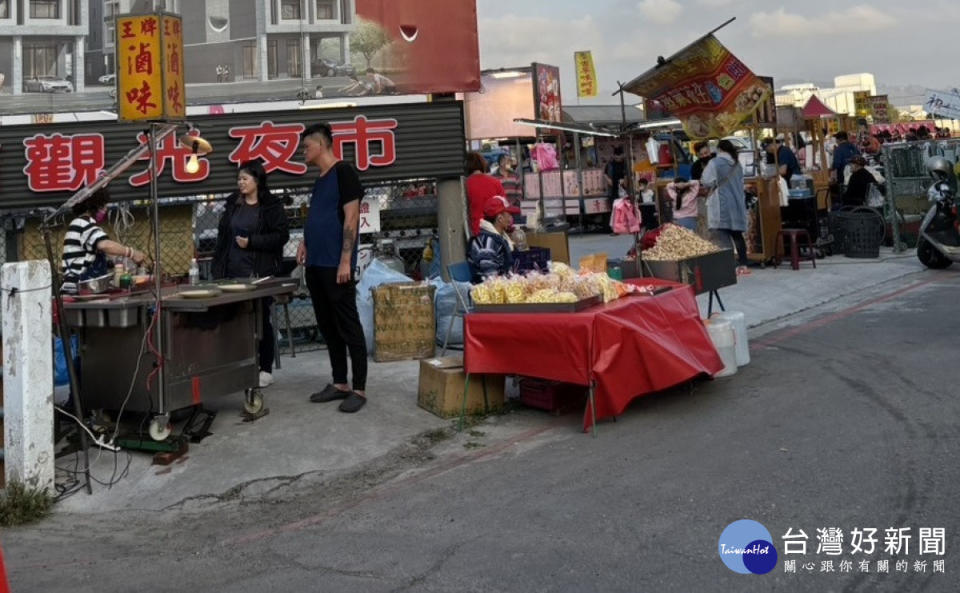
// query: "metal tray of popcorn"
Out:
[540,307]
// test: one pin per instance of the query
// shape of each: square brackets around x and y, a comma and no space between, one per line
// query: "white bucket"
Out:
[724,340]
[739,322]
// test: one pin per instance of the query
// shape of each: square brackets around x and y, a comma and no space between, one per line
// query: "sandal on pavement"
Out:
[353,403]
[743,271]
[329,394]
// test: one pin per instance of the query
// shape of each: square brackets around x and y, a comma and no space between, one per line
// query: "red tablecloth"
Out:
[633,346]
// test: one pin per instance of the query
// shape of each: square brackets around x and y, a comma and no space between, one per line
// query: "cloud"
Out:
[716,3]
[512,40]
[781,24]
[661,11]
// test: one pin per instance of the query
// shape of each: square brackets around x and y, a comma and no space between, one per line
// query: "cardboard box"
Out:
[441,388]
[403,322]
[556,242]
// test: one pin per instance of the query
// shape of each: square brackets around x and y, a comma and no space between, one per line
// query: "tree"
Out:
[368,39]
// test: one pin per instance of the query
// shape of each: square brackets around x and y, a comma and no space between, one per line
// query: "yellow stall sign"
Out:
[150,68]
[586,74]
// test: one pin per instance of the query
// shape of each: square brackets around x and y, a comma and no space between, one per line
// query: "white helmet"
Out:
[939,168]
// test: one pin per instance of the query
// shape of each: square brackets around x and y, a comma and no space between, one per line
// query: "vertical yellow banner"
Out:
[175,95]
[139,72]
[586,74]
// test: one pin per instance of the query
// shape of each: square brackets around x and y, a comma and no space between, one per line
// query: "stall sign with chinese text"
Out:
[943,104]
[150,68]
[586,74]
[705,86]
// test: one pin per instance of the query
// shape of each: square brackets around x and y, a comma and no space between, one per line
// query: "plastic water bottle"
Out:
[194,272]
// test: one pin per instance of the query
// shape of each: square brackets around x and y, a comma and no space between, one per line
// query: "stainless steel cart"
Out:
[210,349]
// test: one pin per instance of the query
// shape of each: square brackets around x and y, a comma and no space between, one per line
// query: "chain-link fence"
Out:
[905,166]
[399,220]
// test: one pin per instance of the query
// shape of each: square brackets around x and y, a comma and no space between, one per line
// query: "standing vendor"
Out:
[86,246]
[491,250]
[250,239]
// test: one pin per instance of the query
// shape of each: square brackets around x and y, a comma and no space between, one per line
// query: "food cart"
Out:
[210,336]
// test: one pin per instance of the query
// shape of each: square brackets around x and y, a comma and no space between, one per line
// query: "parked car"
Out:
[107,79]
[327,67]
[47,84]
[742,143]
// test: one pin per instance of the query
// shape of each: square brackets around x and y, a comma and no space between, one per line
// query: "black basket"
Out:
[858,232]
[536,258]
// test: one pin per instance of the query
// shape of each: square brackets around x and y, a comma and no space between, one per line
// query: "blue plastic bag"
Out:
[445,305]
[61,375]
[377,273]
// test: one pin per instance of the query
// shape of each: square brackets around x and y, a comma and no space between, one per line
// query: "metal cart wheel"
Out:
[160,428]
[253,401]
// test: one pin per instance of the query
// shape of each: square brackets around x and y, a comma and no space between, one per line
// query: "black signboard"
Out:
[42,165]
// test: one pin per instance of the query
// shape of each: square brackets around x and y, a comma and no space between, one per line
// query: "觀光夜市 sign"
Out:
[43,165]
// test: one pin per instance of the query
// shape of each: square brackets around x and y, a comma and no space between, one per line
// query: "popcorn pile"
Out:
[560,285]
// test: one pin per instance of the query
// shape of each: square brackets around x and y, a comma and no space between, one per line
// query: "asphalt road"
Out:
[848,419]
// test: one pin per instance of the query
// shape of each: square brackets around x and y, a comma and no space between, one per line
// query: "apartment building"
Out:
[42,45]
[253,39]
[100,52]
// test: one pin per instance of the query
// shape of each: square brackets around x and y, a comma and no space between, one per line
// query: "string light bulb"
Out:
[193,164]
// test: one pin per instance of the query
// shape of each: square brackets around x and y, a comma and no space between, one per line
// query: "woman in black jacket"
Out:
[250,240]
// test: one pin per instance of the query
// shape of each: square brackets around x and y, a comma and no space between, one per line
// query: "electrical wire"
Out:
[96,440]
[122,220]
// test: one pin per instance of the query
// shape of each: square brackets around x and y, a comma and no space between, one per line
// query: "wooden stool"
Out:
[795,235]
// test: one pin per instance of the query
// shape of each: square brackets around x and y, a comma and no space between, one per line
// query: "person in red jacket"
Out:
[480,186]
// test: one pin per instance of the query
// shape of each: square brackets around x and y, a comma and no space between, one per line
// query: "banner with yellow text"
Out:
[705,86]
[586,74]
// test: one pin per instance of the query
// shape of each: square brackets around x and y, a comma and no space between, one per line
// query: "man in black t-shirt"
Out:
[329,254]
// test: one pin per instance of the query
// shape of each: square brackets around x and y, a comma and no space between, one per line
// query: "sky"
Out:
[806,40]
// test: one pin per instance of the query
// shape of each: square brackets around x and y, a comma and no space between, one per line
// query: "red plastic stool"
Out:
[795,236]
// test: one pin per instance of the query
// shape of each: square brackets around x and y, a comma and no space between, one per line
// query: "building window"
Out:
[345,12]
[110,10]
[273,58]
[250,61]
[290,10]
[293,59]
[39,60]
[326,10]
[45,9]
[4,9]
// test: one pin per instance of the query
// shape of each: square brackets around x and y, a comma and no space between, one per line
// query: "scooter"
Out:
[939,243]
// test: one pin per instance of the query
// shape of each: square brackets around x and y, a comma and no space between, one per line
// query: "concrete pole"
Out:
[451,223]
[79,67]
[16,81]
[27,374]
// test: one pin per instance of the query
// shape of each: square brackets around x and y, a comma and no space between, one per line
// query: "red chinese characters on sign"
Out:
[148,26]
[171,150]
[275,145]
[142,97]
[62,163]
[126,31]
[142,62]
[364,134]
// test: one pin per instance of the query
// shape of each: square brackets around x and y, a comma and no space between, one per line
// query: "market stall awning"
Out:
[577,128]
[815,109]
[601,116]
